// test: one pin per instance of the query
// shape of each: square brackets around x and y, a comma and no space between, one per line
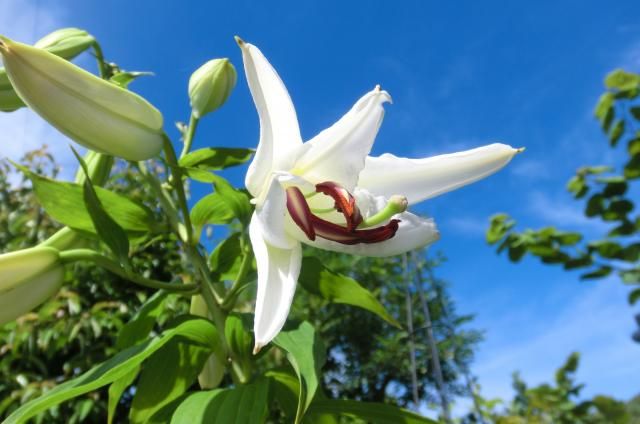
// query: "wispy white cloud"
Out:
[562,211]
[596,322]
[23,130]
[468,225]
[531,169]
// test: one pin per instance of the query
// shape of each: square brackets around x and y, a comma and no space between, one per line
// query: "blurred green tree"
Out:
[557,403]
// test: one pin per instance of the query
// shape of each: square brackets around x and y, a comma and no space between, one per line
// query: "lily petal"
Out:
[271,209]
[420,179]
[413,231]
[278,271]
[338,153]
[279,132]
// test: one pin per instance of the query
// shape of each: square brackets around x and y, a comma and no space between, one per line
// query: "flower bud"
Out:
[67,42]
[27,279]
[93,112]
[211,85]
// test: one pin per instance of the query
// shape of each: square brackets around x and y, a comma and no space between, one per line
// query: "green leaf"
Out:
[601,272]
[624,229]
[633,147]
[166,375]
[139,327]
[595,205]
[615,187]
[237,199]
[499,226]
[635,112]
[622,80]
[284,388]
[123,79]
[604,110]
[379,413]
[567,238]
[108,230]
[605,248]
[634,296]
[116,389]
[630,276]
[616,132]
[240,342]
[222,206]
[212,209]
[338,288]
[226,258]
[135,331]
[578,186]
[215,158]
[191,330]
[306,355]
[632,168]
[246,404]
[579,262]
[64,202]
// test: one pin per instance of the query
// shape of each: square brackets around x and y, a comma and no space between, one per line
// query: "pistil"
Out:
[397,204]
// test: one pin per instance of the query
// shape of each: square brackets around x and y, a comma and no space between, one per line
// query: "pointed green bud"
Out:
[28,278]
[211,85]
[93,112]
[66,43]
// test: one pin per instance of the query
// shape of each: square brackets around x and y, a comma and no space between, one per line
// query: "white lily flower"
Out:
[330,194]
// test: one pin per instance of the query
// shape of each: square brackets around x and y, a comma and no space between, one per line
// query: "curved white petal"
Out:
[420,179]
[278,271]
[413,231]
[338,153]
[279,132]
[271,208]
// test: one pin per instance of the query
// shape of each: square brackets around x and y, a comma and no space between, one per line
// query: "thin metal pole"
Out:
[435,355]
[412,346]
[468,378]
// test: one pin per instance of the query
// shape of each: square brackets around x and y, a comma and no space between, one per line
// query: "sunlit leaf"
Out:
[243,404]
[191,330]
[306,355]
[338,288]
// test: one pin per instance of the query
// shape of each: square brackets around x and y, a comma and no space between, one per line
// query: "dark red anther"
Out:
[345,203]
[337,233]
[299,210]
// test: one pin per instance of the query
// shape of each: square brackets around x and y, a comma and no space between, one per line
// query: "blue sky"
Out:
[461,74]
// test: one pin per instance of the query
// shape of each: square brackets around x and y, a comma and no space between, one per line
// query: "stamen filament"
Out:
[321,211]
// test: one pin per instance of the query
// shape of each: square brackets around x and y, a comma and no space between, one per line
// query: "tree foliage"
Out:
[608,192]
[559,402]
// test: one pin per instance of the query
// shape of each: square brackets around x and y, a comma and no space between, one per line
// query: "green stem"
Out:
[176,172]
[102,66]
[245,265]
[188,138]
[112,266]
